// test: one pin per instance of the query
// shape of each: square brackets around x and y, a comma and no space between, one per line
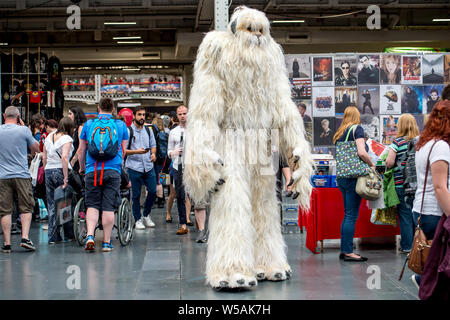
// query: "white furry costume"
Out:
[241,86]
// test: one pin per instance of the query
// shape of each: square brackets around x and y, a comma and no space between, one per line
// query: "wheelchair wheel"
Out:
[125,222]
[79,222]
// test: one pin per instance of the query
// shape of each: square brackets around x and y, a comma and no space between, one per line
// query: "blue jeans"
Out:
[428,224]
[137,180]
[181,195]
[352,201]
[405,219]
[53,179]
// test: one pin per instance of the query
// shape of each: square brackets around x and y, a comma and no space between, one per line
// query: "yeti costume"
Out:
[240,106]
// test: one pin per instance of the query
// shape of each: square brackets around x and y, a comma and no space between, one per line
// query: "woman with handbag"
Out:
[407,133]
[352,161]
[432,165]
[57,150]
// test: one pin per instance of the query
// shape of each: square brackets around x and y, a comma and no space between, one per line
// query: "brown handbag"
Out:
[421,246]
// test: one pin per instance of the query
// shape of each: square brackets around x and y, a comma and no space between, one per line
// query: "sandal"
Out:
[169,220]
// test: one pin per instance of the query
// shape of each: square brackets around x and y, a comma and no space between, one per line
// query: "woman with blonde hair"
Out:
[408,132]
[347,186]
[390,72]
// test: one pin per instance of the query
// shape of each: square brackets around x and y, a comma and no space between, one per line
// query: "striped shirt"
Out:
[400,146]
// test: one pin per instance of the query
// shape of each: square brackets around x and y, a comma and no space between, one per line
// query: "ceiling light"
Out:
[167,101]
[3,43]
[126,38]
[119,23]
[288,21]
[131,69]
[441,20]
[130,42]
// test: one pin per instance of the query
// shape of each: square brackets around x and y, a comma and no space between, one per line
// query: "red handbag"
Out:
[40,175]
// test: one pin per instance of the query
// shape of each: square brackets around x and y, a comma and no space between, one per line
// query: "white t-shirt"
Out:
[53,159]
[174,143]
[441,151]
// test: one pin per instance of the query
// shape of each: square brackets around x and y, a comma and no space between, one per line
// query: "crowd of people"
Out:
[146,149]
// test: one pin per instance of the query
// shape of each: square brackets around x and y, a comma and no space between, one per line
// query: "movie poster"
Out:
[447,68]
[368,69]
[344,97]
[324,130]
[322,71]
[300,88]
[298,66]
[411,69]
[412,98]
[323,101]
[431,95]
[371,125]
[369,99]
[390,69]
[390,99]
[433,68]
[419,119]
[389,128]
[305,109]
[345,71]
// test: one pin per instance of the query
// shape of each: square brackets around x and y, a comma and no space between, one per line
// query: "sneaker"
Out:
[26,243]
[107,247]
[45,226]
[139,225]
[90,243]
[416,280]
[6,248]
[148,222]
[202,237]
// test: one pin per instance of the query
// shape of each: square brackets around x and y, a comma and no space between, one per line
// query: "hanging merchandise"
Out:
[35,97]
[54,70]
[59,103]
[24,64]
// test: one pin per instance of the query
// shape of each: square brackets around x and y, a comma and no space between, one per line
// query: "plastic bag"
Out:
[34,167]
[42,209]
[63,204]
[385,216]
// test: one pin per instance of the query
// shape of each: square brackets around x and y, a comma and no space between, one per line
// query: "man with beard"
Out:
[140,167]
[410,101]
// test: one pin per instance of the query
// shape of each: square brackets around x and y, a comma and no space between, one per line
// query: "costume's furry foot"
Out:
[273,273]
[236,282]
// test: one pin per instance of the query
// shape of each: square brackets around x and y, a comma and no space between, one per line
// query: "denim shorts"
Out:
[105,197]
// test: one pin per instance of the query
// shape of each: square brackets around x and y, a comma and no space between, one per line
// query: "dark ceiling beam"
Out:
[197,16]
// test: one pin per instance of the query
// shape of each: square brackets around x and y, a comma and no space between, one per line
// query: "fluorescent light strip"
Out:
[288,21]
[3,43]
[118,23]
[126,38]
[441,20]
[131,69]
[130,42]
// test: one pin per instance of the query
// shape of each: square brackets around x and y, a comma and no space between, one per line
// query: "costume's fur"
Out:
[241,86]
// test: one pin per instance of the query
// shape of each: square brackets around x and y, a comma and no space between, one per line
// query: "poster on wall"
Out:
[369,69]
[390,69]
[419,119]
[345,70]
[371,125]
[298,66]
[305,109]
[323,102]
[369,99]
[433,68]
[411,69]
[344,97]
[447,68]
[324,130]
[300,88]
[389,128]
[322,71]
[390,99]
[412,97]
[431,95]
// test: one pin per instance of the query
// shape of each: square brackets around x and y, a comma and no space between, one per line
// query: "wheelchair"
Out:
[123,216]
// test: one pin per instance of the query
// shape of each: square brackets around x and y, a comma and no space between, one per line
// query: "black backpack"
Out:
[409,170]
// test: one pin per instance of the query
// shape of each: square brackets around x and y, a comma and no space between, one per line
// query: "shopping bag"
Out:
[34,167]
[385,216]
[164,179]
[63,204]
[43,213]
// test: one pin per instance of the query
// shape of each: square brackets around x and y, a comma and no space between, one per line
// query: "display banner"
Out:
[411,69]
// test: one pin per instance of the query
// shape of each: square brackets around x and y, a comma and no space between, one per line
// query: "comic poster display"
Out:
[391,69]
[447,68]
[412,98]
[323,102]
[431,95]
[300,88]
[369,69]
[369,99]
[298,66]
[371,125]
[433,68]
[324,130]
[345,71]
[389,128]
[390,99]
[411,69]
[344,97]
[322,71]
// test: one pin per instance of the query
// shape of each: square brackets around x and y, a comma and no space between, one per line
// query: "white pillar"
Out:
[220,15]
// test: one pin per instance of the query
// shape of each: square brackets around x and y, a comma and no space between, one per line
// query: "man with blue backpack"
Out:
[102,144]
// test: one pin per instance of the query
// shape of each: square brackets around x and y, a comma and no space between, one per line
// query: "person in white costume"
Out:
[241,90]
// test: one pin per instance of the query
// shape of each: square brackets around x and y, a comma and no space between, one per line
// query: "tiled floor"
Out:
[161,265]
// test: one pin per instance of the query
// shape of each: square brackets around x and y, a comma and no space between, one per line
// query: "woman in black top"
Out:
[79,118]
[352,200]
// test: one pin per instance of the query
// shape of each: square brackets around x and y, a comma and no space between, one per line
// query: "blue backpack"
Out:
[163,138]
[103,142]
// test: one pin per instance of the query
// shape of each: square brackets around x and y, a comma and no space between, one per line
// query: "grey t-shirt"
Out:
[14,143]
